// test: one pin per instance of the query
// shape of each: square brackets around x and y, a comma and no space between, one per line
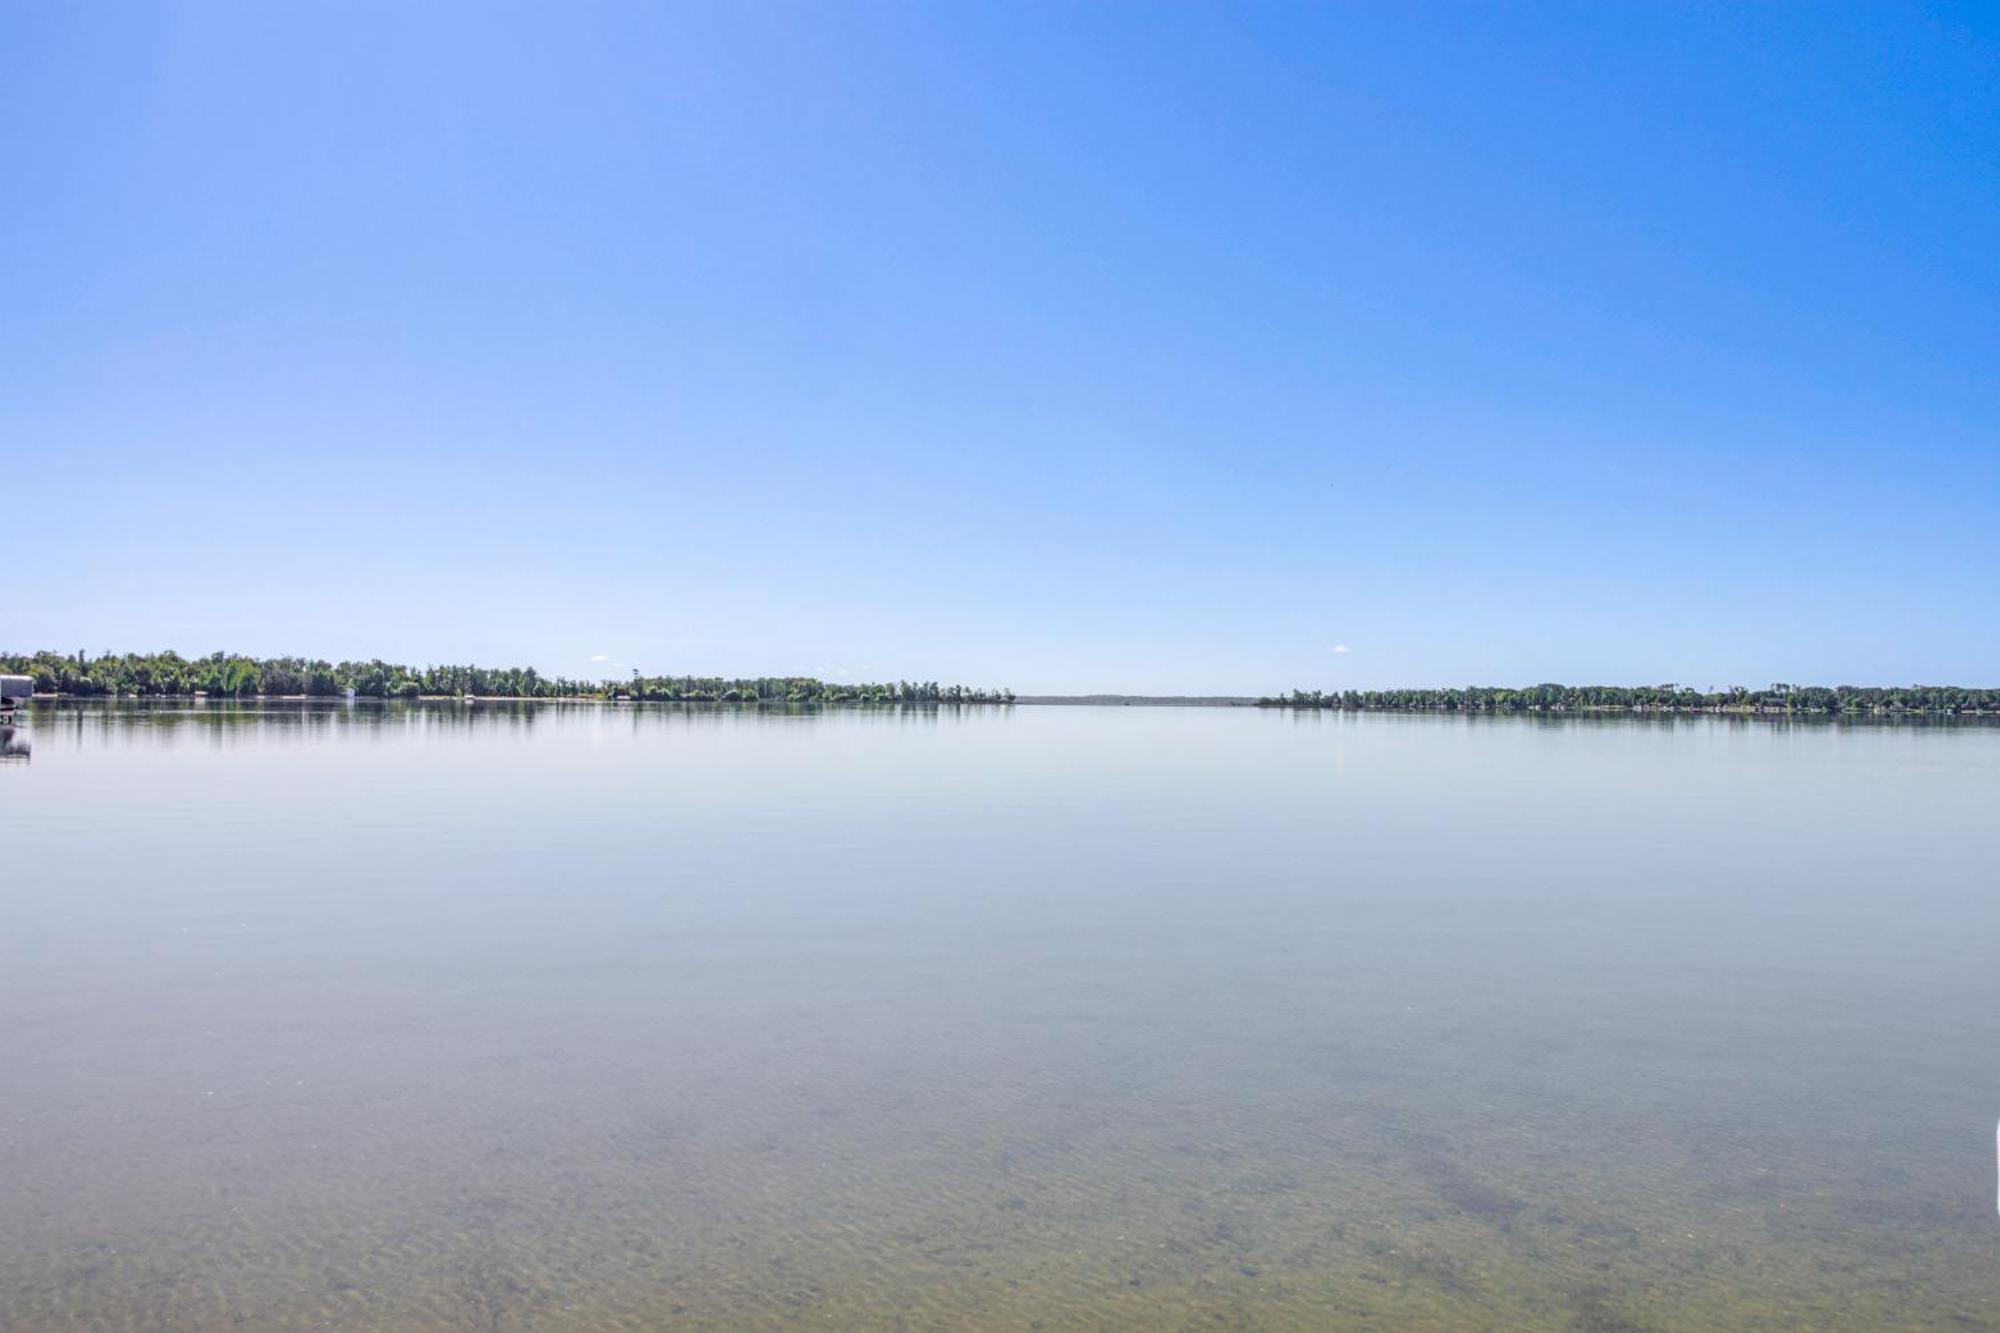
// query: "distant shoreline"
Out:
[1744,712]
[224,676]
[55,696]
[1626,710]
[1779,700]
[232,675]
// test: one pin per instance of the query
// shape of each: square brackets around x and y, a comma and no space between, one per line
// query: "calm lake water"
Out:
[586,1017]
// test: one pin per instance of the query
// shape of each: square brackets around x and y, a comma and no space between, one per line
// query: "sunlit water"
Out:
[594,1017]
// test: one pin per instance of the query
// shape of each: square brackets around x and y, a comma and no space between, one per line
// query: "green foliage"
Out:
[154,674]
[1783,699]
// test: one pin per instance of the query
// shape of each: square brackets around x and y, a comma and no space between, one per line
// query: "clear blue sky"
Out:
[1148,347]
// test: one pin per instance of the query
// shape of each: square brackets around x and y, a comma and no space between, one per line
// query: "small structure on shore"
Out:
[15,691]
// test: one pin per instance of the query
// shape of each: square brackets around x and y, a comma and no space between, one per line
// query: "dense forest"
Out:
[150,674]
[1820,700]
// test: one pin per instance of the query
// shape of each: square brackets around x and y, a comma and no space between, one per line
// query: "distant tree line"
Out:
[231,675]
[1782,698]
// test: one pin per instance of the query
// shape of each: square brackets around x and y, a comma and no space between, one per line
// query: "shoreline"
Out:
[1630,710]
[58,697]
[1759,712]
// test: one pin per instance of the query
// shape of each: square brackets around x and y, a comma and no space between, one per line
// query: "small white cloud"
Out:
[599,657]
[1342,648]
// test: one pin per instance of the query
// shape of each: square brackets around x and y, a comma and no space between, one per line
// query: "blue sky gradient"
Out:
[1156,348]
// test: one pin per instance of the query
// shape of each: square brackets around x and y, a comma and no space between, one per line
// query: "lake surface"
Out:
[509,1017]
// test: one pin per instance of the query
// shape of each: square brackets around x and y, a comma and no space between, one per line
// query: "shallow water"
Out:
[583,1017]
